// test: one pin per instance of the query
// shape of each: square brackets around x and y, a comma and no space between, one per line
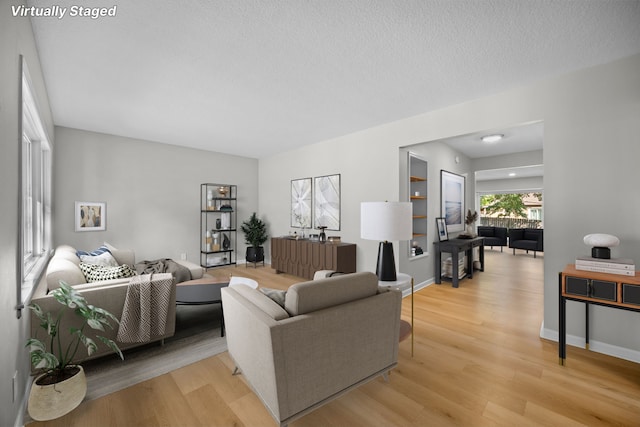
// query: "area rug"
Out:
[197,337]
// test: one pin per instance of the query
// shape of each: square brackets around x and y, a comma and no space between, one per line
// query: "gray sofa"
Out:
[333,334]
[107,294]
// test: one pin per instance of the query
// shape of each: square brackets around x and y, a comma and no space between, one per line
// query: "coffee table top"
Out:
[200,291]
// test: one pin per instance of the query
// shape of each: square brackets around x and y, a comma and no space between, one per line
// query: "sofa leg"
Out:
[236,371]
[501,247]
[534,254]
[385,376]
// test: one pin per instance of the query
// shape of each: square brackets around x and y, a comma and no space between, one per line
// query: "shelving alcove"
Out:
[417,184]
[218,224]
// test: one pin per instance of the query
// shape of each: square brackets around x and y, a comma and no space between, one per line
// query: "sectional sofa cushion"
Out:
[104,258]
[314,295]
[98,273]
[263,302]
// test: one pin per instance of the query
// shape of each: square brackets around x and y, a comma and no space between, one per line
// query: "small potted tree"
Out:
[255,234]
[61,385]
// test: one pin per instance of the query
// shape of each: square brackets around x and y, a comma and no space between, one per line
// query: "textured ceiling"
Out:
[255,77]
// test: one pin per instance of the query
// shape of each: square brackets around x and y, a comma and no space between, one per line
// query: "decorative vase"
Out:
[469,230]
[47,402]
[226,242]
[323,236]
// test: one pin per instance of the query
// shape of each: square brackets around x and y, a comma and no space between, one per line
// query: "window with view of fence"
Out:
[509,222]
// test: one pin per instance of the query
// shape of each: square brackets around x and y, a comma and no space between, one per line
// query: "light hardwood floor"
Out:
[478,361]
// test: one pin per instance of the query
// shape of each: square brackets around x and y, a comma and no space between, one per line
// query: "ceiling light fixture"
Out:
[492,138]
[512,174]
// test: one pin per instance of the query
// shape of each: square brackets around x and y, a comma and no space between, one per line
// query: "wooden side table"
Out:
[590,287]
[402,280]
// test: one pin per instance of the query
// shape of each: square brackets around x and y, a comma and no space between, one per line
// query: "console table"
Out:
[304,257]
[454,247]
[589,287]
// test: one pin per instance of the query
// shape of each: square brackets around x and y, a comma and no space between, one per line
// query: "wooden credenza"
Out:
[304,257]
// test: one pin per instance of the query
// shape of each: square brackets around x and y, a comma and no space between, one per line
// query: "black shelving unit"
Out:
[218,225]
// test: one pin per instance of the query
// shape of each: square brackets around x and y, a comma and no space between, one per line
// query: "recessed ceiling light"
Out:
[512,174]
[492,138]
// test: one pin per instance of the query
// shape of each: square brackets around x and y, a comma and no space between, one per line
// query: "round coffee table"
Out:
[206,290]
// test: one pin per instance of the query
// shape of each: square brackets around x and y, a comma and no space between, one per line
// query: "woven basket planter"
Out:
[47,402]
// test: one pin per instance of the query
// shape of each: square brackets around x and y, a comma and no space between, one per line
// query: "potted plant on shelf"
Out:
[255,234]
[60,385]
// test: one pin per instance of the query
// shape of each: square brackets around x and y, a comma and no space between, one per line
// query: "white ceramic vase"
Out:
[48,402]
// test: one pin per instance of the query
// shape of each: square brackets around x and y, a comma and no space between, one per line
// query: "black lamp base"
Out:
[386,268]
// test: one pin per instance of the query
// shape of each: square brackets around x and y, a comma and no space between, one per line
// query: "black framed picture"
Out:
[441,225]
[452,190]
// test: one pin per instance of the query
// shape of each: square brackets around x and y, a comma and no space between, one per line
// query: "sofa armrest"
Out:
[196,271]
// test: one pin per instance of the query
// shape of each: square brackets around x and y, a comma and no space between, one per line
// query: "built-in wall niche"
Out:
[417,191]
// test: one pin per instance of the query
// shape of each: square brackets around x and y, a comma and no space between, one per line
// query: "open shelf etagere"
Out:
[418,198]
[218,224]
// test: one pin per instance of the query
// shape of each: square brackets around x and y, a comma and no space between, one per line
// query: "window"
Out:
[35,182]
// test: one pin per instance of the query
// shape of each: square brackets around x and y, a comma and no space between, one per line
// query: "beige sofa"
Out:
[108,294]
[333,334]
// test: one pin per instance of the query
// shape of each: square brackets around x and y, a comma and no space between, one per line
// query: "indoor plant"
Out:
[61,385]
[255,234]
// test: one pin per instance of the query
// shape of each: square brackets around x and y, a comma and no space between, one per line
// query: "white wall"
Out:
[152,192]
[16,38]
[590,150]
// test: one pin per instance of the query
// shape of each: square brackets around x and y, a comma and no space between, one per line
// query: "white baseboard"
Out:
[417,287]
[597,346]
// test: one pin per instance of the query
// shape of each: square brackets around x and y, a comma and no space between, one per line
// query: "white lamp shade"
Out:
[385,221]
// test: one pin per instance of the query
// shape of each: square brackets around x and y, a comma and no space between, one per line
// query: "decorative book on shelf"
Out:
[622,266]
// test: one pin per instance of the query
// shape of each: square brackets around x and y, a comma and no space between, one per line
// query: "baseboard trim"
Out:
[594,345]
[416,288]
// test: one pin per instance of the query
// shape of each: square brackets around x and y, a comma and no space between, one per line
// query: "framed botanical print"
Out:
[301,203]
[327,202]
[452,200]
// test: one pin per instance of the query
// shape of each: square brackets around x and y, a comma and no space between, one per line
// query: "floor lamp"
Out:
[385,222]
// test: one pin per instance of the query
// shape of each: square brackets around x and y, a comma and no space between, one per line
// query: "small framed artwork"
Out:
[452,198]
[90,216]
[441,225]
[327,202]
[301,203]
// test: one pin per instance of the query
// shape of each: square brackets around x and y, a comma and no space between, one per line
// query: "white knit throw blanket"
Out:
[144,315]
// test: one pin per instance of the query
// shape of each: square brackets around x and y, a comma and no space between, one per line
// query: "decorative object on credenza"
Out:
[386,221]
[601,244]
[469,221]
[90,216]
[334,239]
[322,238]
[441,226]
[62,386]
[255,234]
[301,202]
[326,192]
[452,190]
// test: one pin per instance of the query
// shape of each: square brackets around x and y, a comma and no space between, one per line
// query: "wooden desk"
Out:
[454,247]
[589,287]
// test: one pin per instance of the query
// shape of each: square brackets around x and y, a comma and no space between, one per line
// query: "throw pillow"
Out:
[275,294]
[105,259]
[102,249]
[97,273]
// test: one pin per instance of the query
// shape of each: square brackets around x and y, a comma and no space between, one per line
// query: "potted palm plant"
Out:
[255,234]
[60,385]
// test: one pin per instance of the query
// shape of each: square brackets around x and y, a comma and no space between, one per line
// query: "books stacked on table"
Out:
[623,266]
[447,267]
